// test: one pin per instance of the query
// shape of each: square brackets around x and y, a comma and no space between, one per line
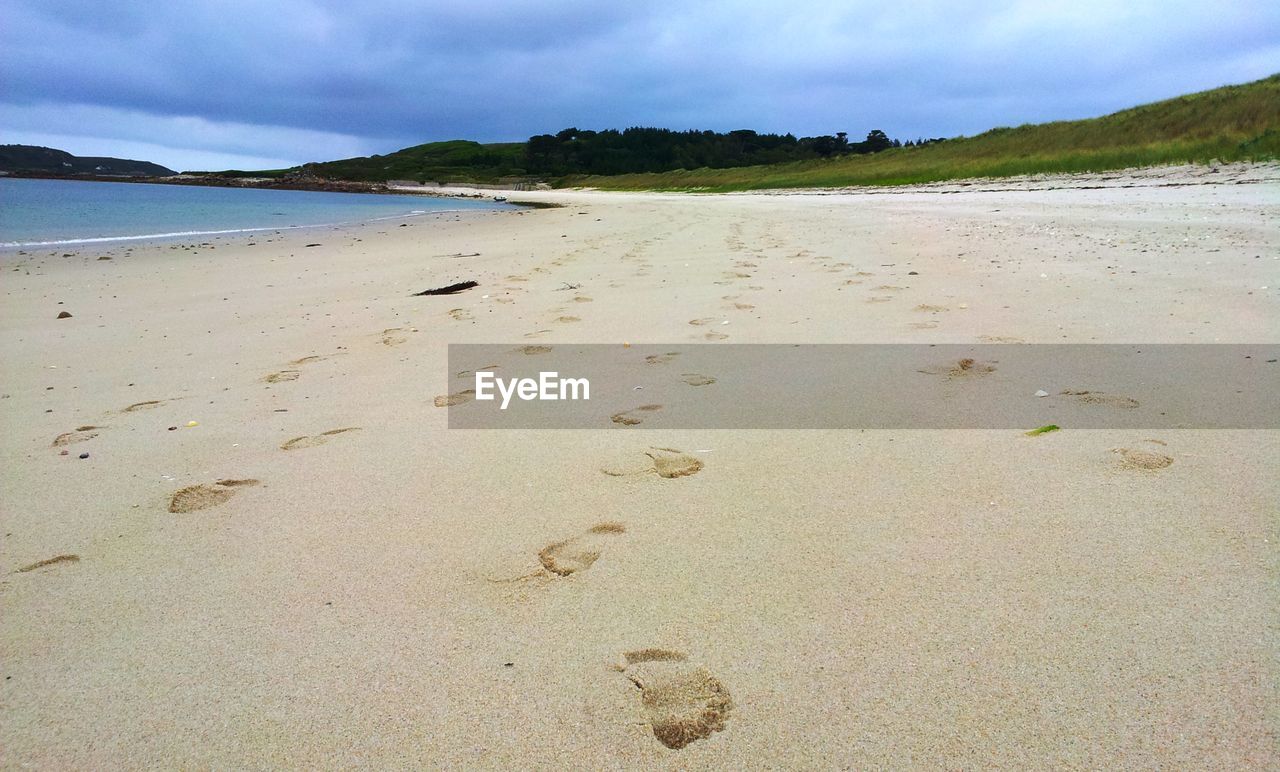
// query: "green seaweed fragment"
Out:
[1044,430]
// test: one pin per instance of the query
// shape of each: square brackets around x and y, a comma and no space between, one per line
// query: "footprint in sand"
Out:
[661,359]
[394,336]
[282,376]
[1102,398]
[460,314]
[924,325]
[701,322]
[962,368]
[567,319]
[716,336]
[197,497]
[743,306]
[1001,339]
[318,439]
[682,702]
[147,405]
[668,463]
[308,359]
[471,373]
[530,350]
[626,419]
[697,379]
[53,561]
[582,299]
[880,299]
[931,308]
[449,400]
[1143,459]
[579,553]
[81,434]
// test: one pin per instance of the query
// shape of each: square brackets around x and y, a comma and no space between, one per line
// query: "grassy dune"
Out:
[1233,123]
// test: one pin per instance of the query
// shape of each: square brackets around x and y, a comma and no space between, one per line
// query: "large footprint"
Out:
[682,702]
[196,497]
[579,553]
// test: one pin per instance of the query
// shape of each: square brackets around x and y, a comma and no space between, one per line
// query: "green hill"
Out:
[1232,123]
[453,161]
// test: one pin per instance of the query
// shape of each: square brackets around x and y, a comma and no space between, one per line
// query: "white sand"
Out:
[868,599]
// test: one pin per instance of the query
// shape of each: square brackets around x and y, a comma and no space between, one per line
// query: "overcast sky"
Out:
[198,84]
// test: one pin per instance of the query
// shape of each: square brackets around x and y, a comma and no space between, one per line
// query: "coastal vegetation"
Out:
[1232,123]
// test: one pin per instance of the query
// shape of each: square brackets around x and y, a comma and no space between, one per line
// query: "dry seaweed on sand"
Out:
[450,289]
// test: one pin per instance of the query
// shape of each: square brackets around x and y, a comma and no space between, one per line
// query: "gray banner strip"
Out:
[909,386]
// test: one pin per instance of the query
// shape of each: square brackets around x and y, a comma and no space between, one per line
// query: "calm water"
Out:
[36,212]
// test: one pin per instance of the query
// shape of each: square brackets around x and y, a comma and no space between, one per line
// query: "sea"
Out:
[67,212]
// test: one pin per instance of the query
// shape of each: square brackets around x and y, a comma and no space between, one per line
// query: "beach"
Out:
[277,554]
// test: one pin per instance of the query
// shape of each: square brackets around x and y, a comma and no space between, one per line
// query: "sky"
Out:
[218,84]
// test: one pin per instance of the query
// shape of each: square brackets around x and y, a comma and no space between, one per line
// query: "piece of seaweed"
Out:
[451,289]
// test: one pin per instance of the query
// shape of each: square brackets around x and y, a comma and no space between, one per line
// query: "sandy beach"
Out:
[320,573]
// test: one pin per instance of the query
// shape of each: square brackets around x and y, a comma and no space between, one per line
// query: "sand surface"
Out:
[320,573]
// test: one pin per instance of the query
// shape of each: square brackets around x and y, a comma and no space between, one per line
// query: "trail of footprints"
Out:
[681,701]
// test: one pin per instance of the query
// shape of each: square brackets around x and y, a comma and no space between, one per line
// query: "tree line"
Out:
[642,149]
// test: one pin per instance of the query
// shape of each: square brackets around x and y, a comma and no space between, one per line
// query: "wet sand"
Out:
[320,573]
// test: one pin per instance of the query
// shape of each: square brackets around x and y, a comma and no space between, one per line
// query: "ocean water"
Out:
[49,212]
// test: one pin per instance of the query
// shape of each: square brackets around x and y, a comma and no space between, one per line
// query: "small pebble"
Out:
[1042,393]
[84,455]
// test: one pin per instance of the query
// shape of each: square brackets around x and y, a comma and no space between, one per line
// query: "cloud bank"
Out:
[227,83]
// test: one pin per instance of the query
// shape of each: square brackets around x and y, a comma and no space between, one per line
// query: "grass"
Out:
[453,161]
[1232,123]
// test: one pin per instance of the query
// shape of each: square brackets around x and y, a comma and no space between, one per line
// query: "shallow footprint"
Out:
[283,376]
[1142,459]
[661,359]
[1102,398]
[962,368]
[81,434]
[682,702]
[196,497]
[579,553]
[626,419]
[669,463]
[697,379]
[392,337]
[318,439]
[449,400]
[147,405]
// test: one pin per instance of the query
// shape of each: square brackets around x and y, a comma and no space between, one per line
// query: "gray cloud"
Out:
[297,80]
